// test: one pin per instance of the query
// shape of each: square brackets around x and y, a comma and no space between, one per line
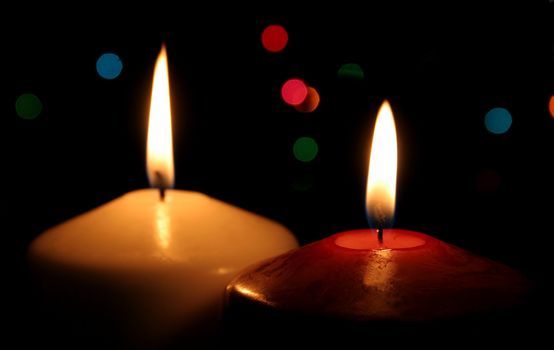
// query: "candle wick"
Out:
[162,194]
[161,187]
[380,235]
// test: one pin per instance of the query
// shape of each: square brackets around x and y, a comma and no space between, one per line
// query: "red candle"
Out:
[409,277]
[376,275]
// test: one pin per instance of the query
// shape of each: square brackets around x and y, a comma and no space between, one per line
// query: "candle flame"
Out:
[159,157]
[381,179]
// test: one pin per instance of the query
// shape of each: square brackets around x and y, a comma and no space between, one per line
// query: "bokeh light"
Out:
[109,66]
[305,149]
[274,38]
[303,182]
[28,106]
[310,103]
[487,181]
[498,120]
[551,106]
[351,71]
[294,91]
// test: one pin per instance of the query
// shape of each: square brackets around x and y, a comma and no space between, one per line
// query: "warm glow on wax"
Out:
[381,179]
[159,158]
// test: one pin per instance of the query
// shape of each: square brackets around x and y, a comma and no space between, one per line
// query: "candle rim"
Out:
[425,240]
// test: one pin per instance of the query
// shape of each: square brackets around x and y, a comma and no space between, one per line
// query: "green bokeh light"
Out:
[303,183]
[28,106]
[305,149]
[351,71]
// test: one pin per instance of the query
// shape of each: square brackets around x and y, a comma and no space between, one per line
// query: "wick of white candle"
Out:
[161,185]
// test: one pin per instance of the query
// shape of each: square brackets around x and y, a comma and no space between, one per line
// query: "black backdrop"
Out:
[442,67]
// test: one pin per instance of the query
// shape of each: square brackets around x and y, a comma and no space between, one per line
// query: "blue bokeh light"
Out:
[109,66]
[498,120]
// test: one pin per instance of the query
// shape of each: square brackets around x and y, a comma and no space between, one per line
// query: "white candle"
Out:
[146,269]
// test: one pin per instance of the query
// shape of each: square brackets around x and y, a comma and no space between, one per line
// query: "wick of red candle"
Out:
[380,219]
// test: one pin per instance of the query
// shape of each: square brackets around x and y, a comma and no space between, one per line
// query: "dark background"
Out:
[442,67]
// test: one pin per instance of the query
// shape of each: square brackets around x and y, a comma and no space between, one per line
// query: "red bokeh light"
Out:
[488,181]
[274,38]
[294,92]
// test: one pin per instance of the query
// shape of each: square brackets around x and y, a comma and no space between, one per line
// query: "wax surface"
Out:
[368,239]
[151,267]
[412,277]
